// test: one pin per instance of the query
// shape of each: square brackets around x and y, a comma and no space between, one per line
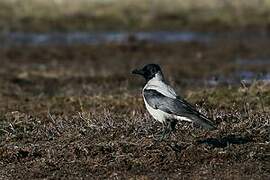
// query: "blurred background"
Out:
[211,41]
[65,79]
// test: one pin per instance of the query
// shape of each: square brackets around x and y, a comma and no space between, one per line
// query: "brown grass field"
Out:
[76,112]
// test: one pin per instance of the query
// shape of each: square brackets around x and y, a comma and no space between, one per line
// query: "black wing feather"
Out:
[177,106]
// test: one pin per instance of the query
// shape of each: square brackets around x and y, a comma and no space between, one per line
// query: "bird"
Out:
[164,105]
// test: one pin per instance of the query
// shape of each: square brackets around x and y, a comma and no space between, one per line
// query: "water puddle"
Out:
[249,77]
[252,62]
[246,77]
[237,78]
[68,38]
[19,38]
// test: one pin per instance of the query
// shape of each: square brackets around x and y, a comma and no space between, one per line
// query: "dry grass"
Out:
[115,142]
[66,15]
[76,112]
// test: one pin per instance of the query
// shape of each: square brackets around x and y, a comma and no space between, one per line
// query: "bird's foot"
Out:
[164,135]
[159,138]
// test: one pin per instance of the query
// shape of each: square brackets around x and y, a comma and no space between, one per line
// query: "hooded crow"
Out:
[164,104]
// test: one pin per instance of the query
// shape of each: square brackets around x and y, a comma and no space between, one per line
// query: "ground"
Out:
[76,112]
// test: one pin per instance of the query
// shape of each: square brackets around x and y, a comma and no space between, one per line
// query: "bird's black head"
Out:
[148,71]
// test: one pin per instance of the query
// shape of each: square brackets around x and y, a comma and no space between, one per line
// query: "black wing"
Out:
[176,106]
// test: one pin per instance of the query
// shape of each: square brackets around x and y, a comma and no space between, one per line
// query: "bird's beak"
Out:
[138,71]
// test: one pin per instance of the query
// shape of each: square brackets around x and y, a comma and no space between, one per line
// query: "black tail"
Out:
[205,122]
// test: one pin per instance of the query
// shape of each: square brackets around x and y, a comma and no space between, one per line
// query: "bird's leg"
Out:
[171,126]
[174,146]
[168,127]
[161,136]
[165,131]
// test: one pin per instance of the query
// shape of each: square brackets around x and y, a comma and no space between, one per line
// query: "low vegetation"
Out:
[68,15]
